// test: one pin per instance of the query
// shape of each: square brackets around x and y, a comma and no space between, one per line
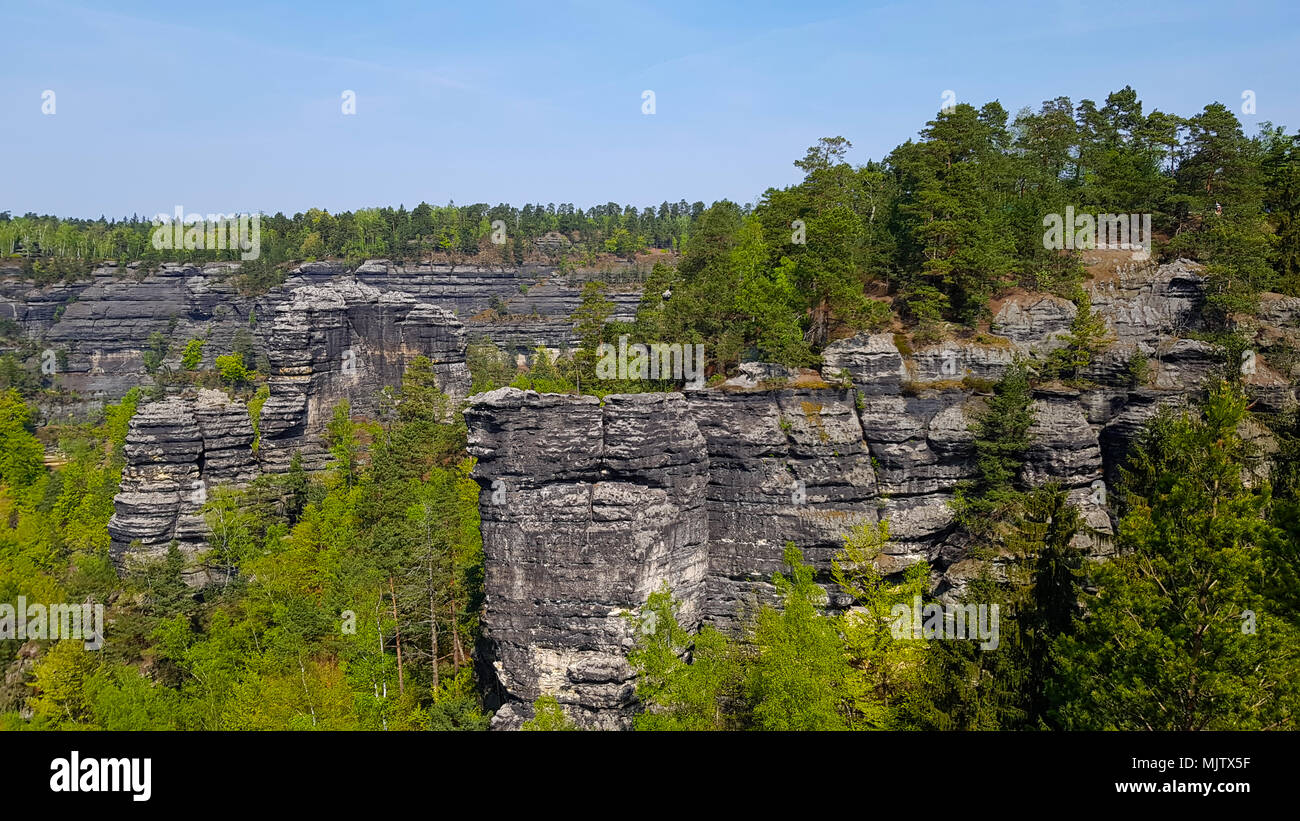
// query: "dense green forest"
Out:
[51,247]
[920,242]
[335,573]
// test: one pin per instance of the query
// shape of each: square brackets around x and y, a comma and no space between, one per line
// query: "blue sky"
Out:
[236,106]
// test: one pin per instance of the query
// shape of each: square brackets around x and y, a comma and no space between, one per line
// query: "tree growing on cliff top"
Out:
[1088,336]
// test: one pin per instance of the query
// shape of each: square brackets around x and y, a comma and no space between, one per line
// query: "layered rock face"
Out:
[537,299]
[801,465]
[96,331]
[347,340]
[722,481]
[782,466]
[576,541]
[588,506]
[176,451]
[341,340]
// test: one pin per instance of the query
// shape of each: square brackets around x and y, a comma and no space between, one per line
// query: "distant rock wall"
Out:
[329,342]
[100,326]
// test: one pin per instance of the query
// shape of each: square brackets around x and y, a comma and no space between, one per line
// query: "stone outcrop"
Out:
[96,330]
[588,506]
[347,340]
[577,540]
[163,489]
[99,329]
[792,464]
[782,466]
[342,340]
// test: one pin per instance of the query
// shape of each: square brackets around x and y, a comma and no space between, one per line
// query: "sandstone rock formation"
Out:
[589,506]
[347,340]
[340,340]
[579,537]
[99,327]
[167,476]
[757,467]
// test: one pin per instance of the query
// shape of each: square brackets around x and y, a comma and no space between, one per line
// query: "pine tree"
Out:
[800,677]
[1089,335]
[1037,596]
[1001,439]
[1180,635]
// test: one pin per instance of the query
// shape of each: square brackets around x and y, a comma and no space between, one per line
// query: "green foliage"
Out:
[155,352]
[341,435]
[1011,688]
[685,682]
[1001,438]
[489,366]
[1138,370]
[192,356]
[1182,634]
[798,667]
[232,370]
[1088,336]
[548,716]
[589,324]
[257,276]
[315,583]
[547,374]
[255,413]
[21,456]
[886,669]
[956,236]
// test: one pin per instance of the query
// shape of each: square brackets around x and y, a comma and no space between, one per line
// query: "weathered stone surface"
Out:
[956,361]
[588,506]
[1144,303]
[756,374]
[346,340]
[340,340]
[1065,449]
[872,361]
[100,327]
[162,492]
[783,466]
[577,540]
[227,433]
[1035,321]
[801,465]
